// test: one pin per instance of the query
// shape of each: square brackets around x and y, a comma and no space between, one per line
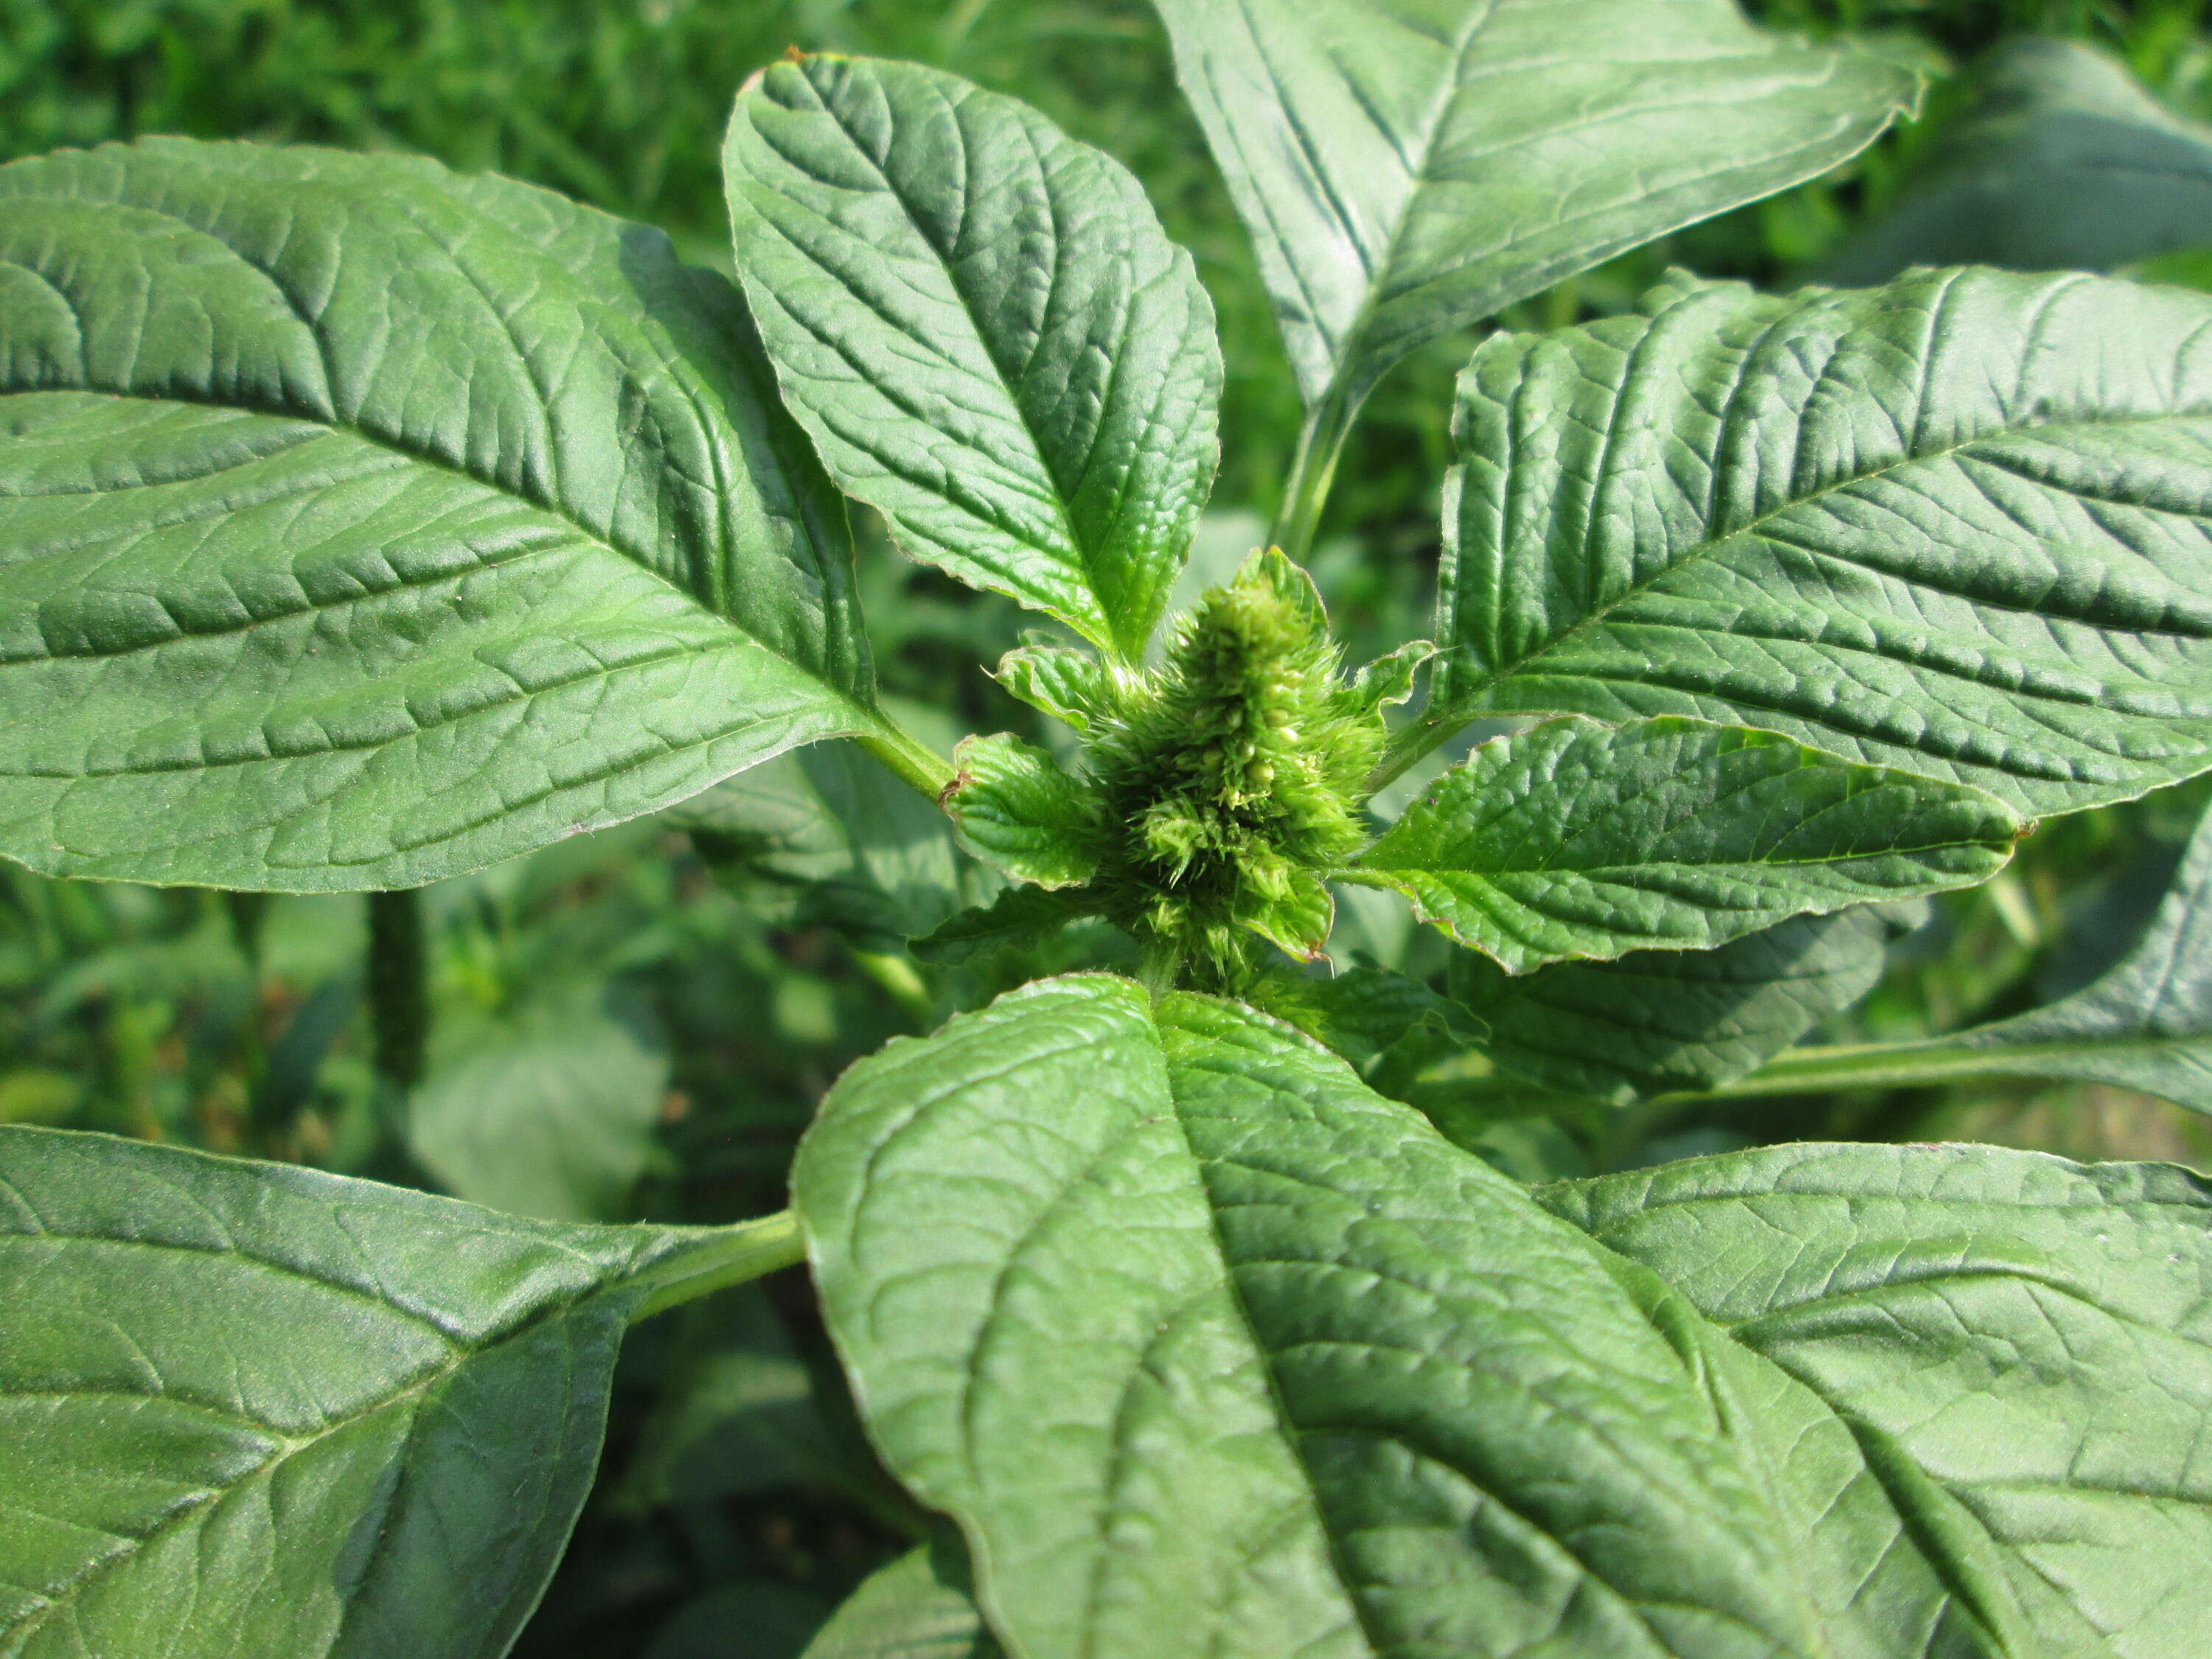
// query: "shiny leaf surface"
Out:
[362,523]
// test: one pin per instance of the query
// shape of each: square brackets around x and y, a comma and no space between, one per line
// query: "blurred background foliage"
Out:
[639,1022]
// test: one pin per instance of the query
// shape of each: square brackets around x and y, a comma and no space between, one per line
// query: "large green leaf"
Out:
[2146,1024]
[1409,168]
[361,522]
[2065,163]
[253,1409]
[2023,1346]
[1655,1021]
[1581,841]
[984,328]
[548,1111]
[1210,1350]
[1957,525]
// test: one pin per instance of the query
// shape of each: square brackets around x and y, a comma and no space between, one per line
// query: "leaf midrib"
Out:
[1085,557]
[1417,181]
[1291,1431]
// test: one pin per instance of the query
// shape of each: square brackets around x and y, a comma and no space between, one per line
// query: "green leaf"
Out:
[548,1112]
[1073,687]
[1020,917]
[1012,807]
[1656,1021]
[2022,1343]
[984,328]
[1225,1354]
[1409,170]
[1956,526]
[362,523]
[2064,162]
[827,837]
[1389,680]
[255,1409]
[1575,840]
[918,1607]
[2146,1024]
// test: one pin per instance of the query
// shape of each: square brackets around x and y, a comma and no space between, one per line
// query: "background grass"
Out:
[236,1022]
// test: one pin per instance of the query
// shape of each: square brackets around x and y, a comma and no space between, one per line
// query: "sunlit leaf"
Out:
[1576,841]
[984,328]
[1409,168]
[1958,526]
[362,522]
[253,1409]
[1212,1351]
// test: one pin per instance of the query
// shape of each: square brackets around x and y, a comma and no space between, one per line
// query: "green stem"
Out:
[1866,1066]
[721,1257]
[1410,743]
[913,760]
[1312,470]
[1159,967]
[398,989]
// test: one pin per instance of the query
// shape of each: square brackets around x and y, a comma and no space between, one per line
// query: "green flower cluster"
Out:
[1217,792]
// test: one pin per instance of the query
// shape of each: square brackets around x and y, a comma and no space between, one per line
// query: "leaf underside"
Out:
[1210,1350]
[827,836]
[254,1409]
[362,523]
[1577,841]
[1656,1021]
[1409,169]
[2066,162]
[985,330]
[1956,526]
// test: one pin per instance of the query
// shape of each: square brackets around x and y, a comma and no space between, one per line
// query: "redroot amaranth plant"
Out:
[362,523]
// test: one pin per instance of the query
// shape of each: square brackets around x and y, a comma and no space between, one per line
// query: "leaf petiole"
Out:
[736,1254]
[1411,743]
[912,761]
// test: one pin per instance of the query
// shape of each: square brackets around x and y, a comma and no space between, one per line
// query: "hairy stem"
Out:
[1158,967]
[914,763]
[728,1256]
[1410,743]
[1312,470]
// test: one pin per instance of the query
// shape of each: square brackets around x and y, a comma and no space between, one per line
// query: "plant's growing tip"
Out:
[1233,777]
[1218,791]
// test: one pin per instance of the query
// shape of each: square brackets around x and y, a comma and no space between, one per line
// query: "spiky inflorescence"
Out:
[1232,777]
